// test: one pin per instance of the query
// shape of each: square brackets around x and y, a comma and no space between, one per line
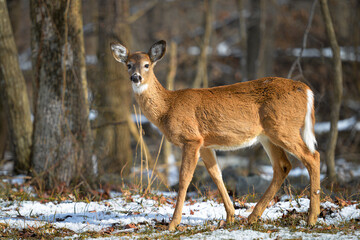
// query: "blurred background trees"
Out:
[14,99]
[80,98]
[112,95]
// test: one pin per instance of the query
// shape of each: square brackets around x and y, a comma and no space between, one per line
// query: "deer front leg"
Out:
[209,158]
[190,155]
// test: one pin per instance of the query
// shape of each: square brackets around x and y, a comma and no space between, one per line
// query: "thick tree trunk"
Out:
[201,72]
[114,95]
[337,94]
[62,136]
[14,94]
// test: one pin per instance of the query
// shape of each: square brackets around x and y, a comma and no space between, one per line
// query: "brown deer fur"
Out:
[270,110]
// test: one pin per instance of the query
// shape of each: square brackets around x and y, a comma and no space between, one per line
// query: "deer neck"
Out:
[153,99]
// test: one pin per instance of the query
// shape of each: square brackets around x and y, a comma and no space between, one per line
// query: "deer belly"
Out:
[231,146]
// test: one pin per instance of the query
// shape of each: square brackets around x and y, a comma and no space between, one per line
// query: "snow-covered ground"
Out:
[128,210]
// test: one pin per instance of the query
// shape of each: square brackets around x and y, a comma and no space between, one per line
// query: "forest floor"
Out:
[132,215]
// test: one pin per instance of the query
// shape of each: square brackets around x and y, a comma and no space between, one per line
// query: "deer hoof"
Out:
[252,218]
[172,226]
[230,219]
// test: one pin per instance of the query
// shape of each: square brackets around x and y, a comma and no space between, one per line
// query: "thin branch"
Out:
[141,12]
[307,30]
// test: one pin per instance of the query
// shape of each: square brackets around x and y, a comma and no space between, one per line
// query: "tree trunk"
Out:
[337,94]
[170,79]
[268,21]
[62,136]
[253,41]
[260,63]
[14,94]
[243,39]
[113,99]
[201,72]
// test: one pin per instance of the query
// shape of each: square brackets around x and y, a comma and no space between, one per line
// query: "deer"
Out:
[276,112]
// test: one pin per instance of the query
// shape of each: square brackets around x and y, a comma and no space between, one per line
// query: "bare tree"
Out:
[296,63]
[253,41]
[14,94]
[113,98]
[243,38]
[201,72]
[167,152]
[268,23]
[62,136]
[337,94]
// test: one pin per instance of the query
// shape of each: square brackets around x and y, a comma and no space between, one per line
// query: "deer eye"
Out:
[146,65]
[128,66]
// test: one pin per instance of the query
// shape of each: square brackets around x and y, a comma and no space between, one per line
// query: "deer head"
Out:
[140,64]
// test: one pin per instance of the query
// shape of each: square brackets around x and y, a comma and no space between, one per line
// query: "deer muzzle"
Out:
[136,78]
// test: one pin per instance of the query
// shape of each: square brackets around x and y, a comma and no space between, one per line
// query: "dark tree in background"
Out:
[113,93]
[337,93]
[201,70]
[62,137]
[14,94]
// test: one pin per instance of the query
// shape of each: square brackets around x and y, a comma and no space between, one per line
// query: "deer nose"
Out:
[136,78]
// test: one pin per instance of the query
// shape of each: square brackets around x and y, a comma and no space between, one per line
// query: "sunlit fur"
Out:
[276,112]
[308,130]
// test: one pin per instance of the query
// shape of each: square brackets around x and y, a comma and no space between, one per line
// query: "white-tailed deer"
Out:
[277,112]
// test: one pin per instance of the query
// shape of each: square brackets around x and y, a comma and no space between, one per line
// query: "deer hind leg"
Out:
[281,167]
[209,158]
[190,156]
[296,146]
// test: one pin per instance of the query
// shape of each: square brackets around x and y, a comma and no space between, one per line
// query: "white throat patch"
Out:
[139,88]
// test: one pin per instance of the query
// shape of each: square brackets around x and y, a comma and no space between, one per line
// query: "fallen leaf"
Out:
[108,230]
[181,228]
[130,226]
[341,202]
[222,224]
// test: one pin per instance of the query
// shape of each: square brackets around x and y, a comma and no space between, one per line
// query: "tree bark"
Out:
[201,72]
[14,94]
[263,38]
[62,136]
[243,39]
[170,79]
[337,94]
[113,98]
[268,22]
[253,41]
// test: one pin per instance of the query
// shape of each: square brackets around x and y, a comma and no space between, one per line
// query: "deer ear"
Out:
[119,52]
[157,51]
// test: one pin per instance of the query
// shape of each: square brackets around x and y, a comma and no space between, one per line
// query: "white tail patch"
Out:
[307,132]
